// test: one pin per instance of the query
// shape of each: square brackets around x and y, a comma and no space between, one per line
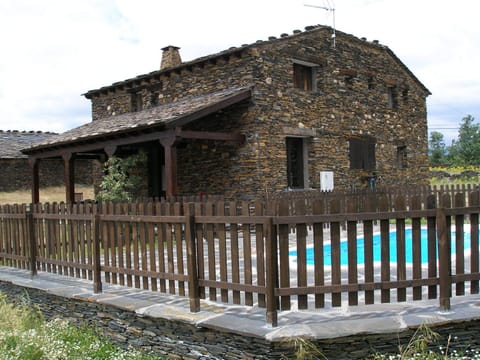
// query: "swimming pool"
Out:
[376,249]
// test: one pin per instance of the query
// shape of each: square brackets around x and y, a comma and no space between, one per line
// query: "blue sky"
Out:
[52,51]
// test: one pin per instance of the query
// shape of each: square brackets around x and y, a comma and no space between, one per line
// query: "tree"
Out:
[120,182]
[437,150]
[466,150]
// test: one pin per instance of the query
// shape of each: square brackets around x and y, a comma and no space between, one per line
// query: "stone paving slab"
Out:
[315,324]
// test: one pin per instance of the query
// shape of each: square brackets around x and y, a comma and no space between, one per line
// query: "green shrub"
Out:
[120,182]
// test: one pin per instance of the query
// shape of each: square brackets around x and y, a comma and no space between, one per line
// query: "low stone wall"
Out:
[178,340]
[16,173]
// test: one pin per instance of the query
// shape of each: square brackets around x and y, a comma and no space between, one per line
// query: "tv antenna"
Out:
[331,9]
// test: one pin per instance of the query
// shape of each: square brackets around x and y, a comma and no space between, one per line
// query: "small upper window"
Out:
[154,99]
[349,80]
[405,95]
[402,156]
[136,101]
[304,75]
[371,83]
[392,97]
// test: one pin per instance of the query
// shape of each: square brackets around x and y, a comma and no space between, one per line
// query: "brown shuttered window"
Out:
[362,153]
[302,77]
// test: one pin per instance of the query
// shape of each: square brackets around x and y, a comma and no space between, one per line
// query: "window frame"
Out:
[402,154]
[307,80]
[392,93]
[136,101]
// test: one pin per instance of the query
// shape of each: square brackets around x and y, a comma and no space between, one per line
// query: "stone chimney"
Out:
[170,57]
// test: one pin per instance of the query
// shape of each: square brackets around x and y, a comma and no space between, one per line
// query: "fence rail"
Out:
[316,251]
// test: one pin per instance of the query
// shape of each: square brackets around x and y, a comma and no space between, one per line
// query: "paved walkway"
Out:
[319,324]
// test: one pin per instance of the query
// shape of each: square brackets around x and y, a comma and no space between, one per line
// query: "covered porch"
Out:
[159,129]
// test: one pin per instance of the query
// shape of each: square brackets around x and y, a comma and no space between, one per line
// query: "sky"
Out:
[53,51]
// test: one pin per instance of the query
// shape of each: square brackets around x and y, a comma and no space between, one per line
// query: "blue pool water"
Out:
[376,249]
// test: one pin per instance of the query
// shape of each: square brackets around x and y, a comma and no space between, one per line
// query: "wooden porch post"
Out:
[170,151]
[33,162]
[69,168]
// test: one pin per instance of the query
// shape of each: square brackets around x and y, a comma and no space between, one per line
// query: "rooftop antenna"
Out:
[330,9]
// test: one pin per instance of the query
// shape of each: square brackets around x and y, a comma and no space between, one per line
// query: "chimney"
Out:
[170,57]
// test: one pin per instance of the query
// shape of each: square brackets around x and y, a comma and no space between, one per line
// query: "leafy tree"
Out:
[120,182]
[466,150]
[437,150]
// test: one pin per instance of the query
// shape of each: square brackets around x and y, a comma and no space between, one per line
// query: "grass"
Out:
[49,194]
[459,175]
[25,335]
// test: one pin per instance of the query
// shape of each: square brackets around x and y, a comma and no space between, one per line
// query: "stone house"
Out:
[14,164]
[273,115]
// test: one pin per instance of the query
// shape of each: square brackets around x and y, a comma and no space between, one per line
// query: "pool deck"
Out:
[250,321]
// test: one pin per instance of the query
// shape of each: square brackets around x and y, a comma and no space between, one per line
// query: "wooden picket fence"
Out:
[255,253]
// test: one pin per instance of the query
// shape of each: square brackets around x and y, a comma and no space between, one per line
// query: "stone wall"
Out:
[178,340]
[16,173]
[361,89]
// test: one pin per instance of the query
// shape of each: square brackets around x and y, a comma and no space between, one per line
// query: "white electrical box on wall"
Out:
[326,180]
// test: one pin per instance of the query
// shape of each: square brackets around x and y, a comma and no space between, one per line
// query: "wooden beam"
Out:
[170,152]
[33,162]
[209,135]
[69,167]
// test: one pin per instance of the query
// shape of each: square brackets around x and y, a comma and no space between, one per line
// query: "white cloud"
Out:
[54,50]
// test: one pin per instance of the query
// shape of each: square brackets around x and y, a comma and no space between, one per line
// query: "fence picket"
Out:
[212,274]
[474,244]
[335,253]
[370,206]
[385,249]
[401,254]
[119,234]
[83,240]
[151,247]
[179,242]
[222,251]
[318,208]
[416,248]
[459,244]
[199,232]
[301,240]
[235,256]
[247,253]
[260,251]
[284,263]
[432,246]
[352,207]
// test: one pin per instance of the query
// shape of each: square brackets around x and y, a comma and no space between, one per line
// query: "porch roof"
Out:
[158,118]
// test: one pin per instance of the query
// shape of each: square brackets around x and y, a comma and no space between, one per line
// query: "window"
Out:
[136,101]
[402,156]
[362,153]
[405,95]
[154,98]
[392,97]
[371,83]
[295,163]
[304,75]
[349,80]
